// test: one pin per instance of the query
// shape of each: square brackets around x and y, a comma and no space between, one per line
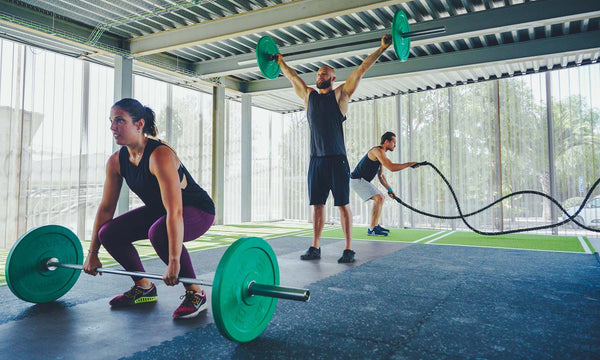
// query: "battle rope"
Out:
[464,216]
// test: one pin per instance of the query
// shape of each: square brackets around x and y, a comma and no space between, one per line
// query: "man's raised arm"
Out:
[299,85]
[354,78]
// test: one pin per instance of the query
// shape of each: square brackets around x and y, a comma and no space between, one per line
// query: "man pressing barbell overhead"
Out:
[328,169]
[176,209]
[369,166]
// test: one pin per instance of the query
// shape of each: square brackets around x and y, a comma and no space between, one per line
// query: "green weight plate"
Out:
[239,316]
[399,27]
[265,49]
[26,272]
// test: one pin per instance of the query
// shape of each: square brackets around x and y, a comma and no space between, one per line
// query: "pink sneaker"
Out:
[193,303]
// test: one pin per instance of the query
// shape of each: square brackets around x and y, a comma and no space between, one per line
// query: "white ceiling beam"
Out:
[265,19]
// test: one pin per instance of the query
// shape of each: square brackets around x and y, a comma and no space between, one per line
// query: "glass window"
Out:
[489,139]
[51,183]
[11,89]
[192,133]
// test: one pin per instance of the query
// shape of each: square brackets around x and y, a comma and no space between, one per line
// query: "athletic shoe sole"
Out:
[145,299]
[138,301]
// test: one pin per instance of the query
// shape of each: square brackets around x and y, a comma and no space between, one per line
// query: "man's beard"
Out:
[324,84]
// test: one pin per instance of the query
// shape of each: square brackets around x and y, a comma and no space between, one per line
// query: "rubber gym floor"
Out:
[418,294]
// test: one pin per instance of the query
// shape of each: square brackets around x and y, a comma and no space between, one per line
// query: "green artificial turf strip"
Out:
[515,241]
[512,241]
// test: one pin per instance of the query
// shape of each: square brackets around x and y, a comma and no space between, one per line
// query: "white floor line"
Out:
[514,248]
[584,245]
[428,236]
[438,238]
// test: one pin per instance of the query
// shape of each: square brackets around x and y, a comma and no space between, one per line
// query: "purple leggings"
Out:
[118,234]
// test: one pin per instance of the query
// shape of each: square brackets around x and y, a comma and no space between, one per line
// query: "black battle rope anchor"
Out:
[464,216]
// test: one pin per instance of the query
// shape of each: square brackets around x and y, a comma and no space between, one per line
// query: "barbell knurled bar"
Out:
[254,288]
[410,34]
[404,35]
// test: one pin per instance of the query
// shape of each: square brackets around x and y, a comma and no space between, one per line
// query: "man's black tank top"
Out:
[145,185]
[366,168]
[325,121]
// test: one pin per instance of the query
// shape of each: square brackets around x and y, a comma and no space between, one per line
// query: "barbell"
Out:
[45,263]
[267,49]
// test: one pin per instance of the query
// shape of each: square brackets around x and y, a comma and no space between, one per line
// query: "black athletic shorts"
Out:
[330,173]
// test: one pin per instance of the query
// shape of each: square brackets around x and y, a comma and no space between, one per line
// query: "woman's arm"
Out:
[164,165]
[106,211]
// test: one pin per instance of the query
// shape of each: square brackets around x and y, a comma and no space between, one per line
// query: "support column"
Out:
[16,207]
[123,89]
[496,129]
[410,155]
[246,158]
[200,152]
[218,158]
[551,165]
[83,151]
[398,99]
[451,142]
[169,116]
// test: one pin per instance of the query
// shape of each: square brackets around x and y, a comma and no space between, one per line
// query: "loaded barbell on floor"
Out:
[45,263]
[267,49]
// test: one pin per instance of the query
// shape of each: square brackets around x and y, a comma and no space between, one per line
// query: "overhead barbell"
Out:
[45,263]
[267,49]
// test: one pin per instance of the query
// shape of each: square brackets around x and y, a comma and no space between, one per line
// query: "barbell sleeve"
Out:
[412,34]
[246,62]
[254,288]
[279,292]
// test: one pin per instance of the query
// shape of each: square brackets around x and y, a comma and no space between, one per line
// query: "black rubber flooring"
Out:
[398,301]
